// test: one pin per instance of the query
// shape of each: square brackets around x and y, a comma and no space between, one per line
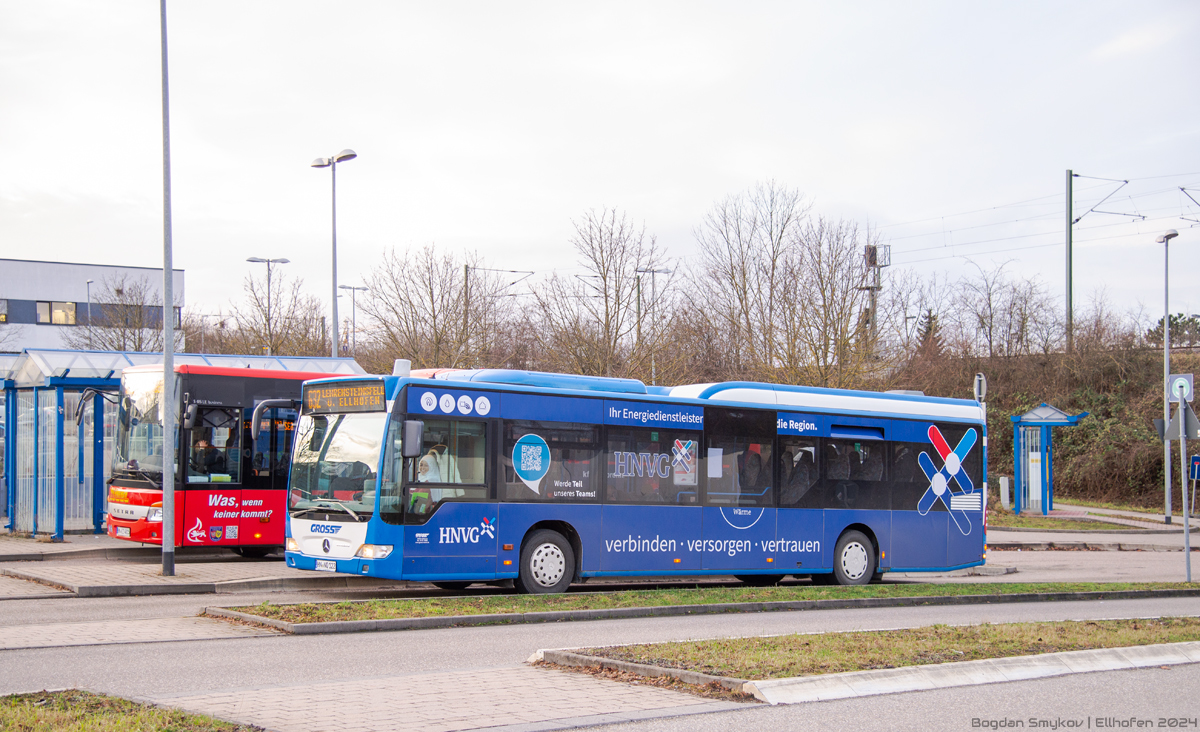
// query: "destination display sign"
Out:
[339,397]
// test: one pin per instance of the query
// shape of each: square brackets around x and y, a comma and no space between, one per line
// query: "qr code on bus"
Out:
[531,457]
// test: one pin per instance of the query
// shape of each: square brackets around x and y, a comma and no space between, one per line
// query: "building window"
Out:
[56,313]
[3,311]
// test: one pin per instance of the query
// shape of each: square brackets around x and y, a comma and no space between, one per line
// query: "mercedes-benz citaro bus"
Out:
[540,480]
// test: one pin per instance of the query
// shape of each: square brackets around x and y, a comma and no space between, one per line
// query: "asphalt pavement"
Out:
[153,647]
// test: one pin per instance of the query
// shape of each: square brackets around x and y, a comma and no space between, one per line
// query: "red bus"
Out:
[230,484]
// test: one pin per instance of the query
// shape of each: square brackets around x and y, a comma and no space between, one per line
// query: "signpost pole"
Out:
[168,330]
[1184,423]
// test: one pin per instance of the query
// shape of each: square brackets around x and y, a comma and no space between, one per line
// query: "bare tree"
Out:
[126,315]
[828,339]
[595,323]
[436,309]
[290,323]
[999,316]
[744,272]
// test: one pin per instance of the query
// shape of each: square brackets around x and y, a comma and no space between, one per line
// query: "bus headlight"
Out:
[374,551]
[292,545]
[155,514]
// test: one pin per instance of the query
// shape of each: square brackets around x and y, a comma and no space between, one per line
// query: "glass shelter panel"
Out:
[47,450]
[26,478]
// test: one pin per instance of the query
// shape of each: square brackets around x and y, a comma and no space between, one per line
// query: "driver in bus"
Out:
[208,459]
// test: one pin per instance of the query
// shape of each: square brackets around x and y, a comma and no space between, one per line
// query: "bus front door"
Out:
[264,500]
[457,540]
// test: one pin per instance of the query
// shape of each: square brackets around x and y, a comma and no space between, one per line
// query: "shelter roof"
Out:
[1046,415]
[33,367]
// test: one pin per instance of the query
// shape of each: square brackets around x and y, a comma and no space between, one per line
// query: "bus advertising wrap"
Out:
[641,414]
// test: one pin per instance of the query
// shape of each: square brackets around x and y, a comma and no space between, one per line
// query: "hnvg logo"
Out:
[466,534]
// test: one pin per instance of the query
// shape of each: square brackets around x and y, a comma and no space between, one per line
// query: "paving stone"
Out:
[495,698]
[14,587]
[123,631]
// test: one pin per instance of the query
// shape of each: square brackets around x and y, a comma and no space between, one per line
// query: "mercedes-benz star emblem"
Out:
[325,545]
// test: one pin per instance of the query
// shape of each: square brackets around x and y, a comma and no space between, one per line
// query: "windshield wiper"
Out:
[324,505]
[141,474]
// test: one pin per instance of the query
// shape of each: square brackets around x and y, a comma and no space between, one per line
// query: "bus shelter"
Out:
[1033,456]
[58,424]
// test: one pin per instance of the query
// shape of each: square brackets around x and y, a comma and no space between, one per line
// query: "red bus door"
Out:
[264,498]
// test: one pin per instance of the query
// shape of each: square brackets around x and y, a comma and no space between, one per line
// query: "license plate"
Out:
[326,565]
[123,531]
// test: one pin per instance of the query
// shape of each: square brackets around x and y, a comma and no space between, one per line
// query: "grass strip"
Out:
[830,653]
[488,604]
[82,711]
[1011,521]
[1104,504]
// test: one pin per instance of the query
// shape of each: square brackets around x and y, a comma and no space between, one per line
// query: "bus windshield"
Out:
[334,466]
[139,444]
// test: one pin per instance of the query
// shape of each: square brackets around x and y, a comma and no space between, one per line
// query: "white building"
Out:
[41,301]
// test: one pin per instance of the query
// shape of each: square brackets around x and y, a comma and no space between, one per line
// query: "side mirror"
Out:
[189,417]
[414,431]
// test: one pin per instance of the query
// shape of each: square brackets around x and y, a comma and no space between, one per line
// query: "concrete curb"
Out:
[201,588]
[969,673]
[452,621]
[133,552]
[1128,530]
[1101,546]
[566,658]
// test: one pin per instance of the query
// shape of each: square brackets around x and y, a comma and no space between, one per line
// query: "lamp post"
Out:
[353,315]
[331,163]
[1165,239]
[268,262]
[653,311]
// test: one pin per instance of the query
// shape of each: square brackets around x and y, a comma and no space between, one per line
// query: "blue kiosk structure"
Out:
[1033,456]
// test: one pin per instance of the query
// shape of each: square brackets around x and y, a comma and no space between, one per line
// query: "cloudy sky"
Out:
[490,126]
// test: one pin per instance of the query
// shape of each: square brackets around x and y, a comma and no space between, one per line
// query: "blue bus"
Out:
[539,480]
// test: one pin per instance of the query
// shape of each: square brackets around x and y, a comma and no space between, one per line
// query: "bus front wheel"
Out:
[853,559]
[547,564]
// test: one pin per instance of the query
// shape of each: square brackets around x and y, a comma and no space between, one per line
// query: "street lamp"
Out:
[1165,239]
[353,309]
[268,262]
[332,162]
[653,310]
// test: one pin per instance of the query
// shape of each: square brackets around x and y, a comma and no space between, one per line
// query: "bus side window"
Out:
[452,466]
[391,496]
[798,469]
[215,454]
[560,460]
[652,465]
[908,482]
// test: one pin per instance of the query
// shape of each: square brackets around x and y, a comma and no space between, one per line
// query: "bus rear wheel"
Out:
[853,559]
[547,563]
[759,580]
